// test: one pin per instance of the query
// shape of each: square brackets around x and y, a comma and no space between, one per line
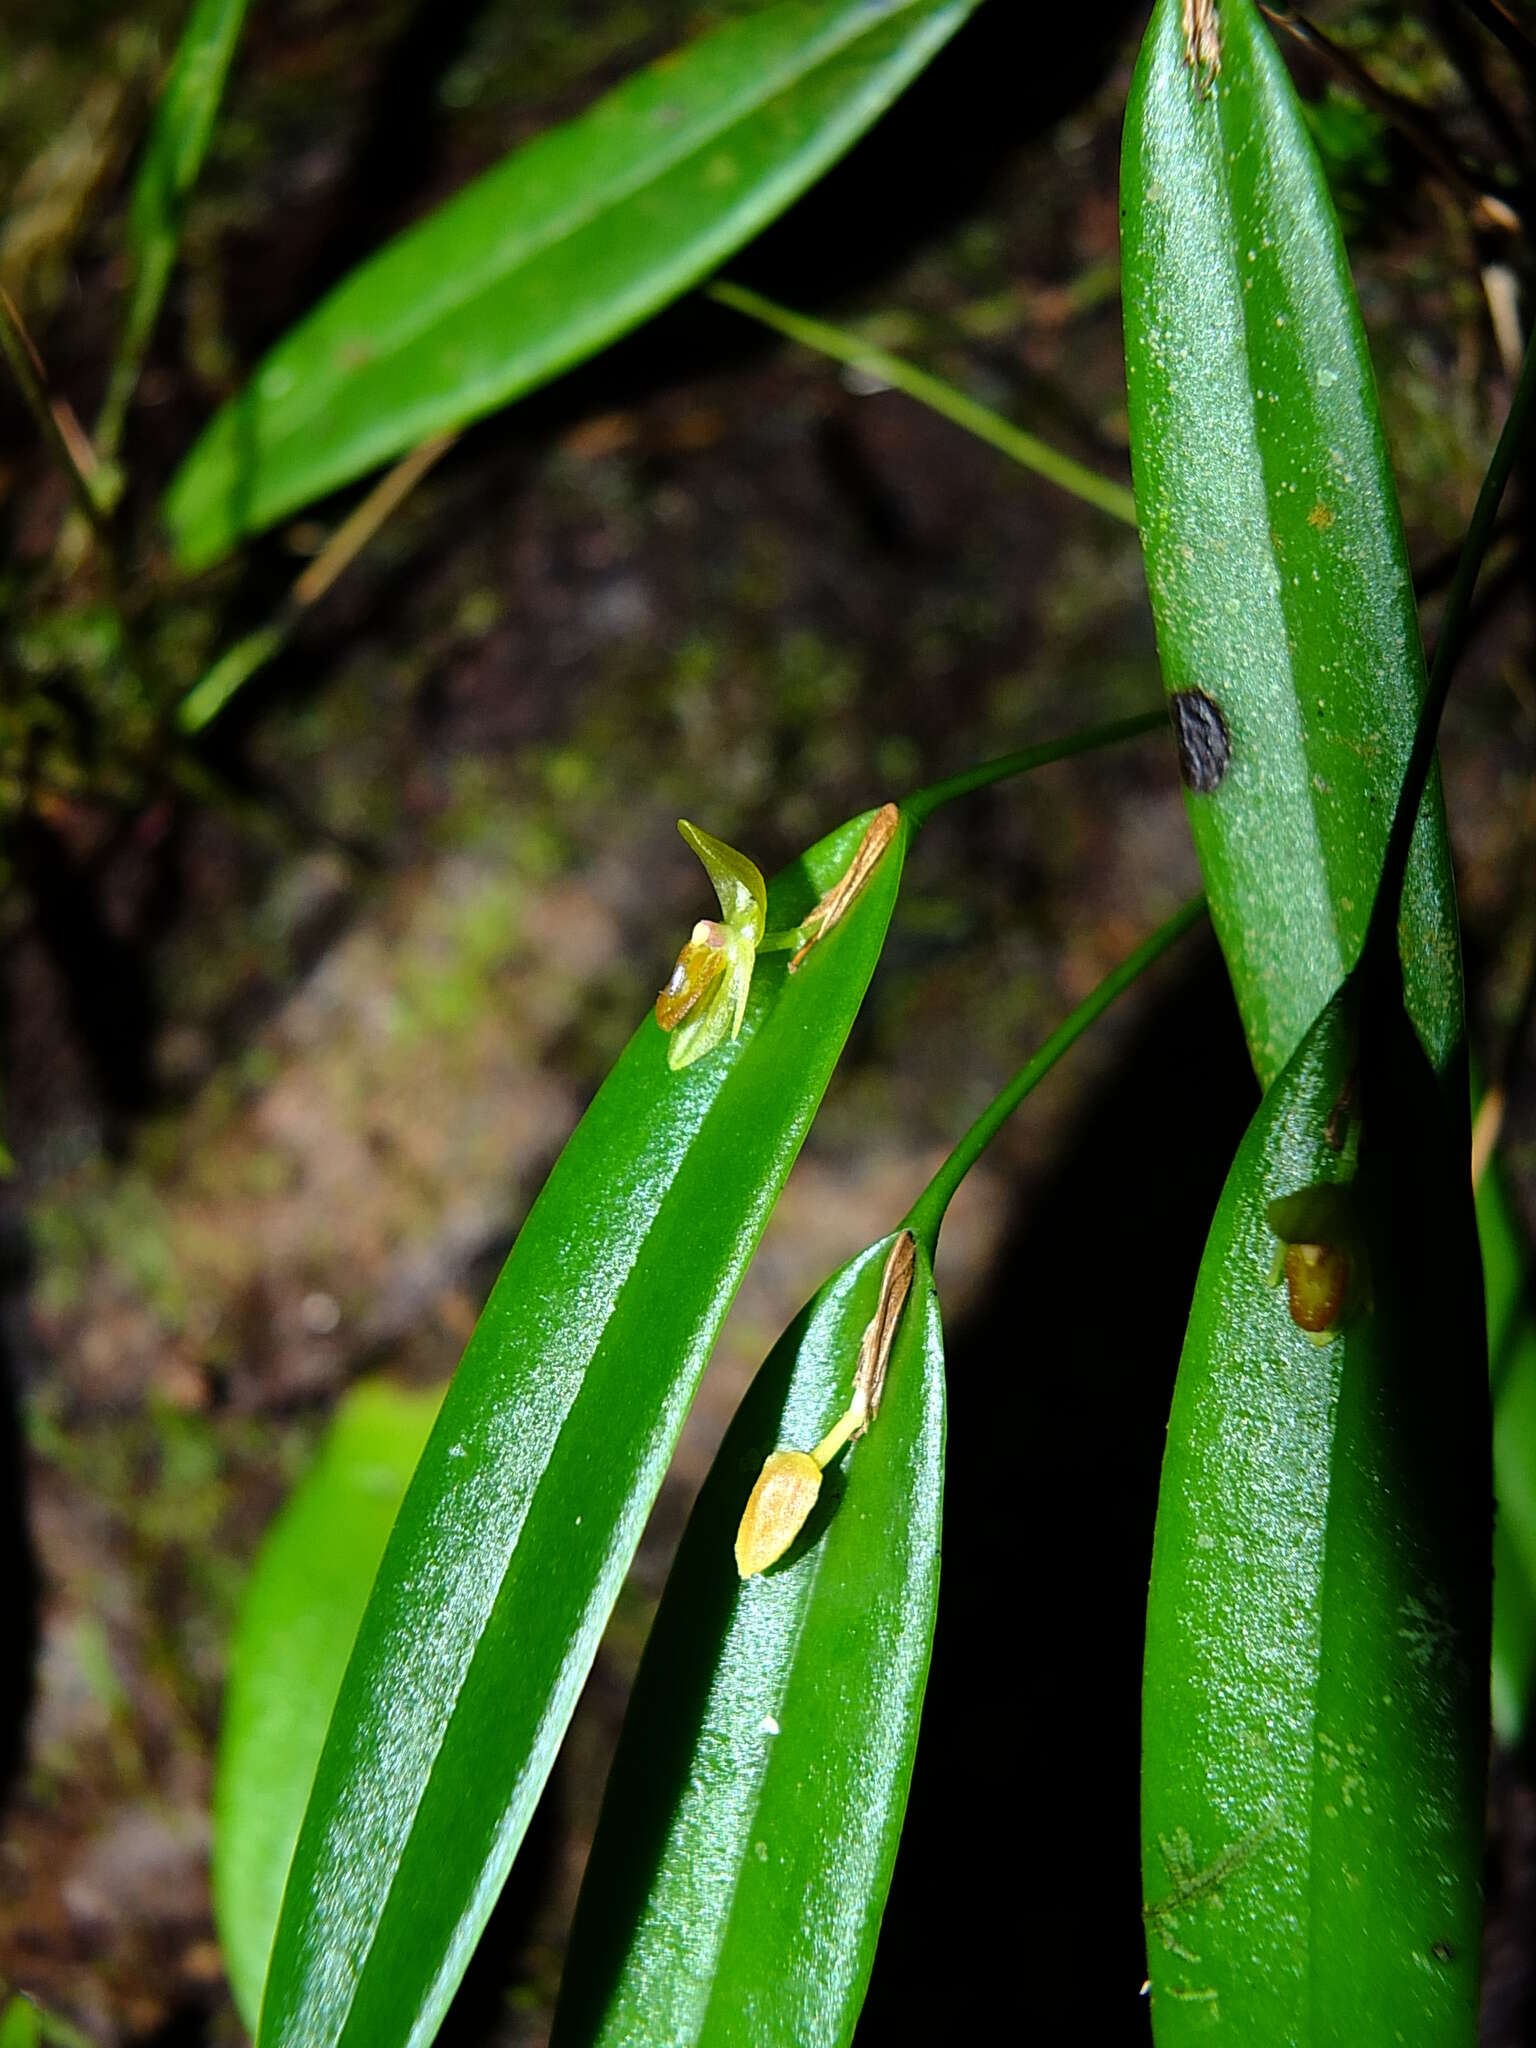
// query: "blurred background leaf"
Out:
[298,1618]
[573,240]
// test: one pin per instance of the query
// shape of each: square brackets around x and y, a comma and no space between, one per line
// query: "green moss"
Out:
[115,1218]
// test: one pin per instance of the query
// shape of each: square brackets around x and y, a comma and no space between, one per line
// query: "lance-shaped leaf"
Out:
[1274,549]
[1284,611]
[531,1494]
[741,1865]
[571,241]
[1315,1705]
[744,1854]
[1315,1701]
[297,1620]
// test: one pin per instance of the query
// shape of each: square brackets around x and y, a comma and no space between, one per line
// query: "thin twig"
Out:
[364,521]
[1499,22]
[207,697]
[54,417]
[1412,121]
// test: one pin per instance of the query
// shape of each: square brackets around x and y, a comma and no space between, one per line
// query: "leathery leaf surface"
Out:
[1315,1707]
[1274,551]
[530,1496]
[749,1830]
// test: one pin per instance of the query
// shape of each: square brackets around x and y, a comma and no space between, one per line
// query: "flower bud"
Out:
[1316,1285]
[1322,1256]
[776,1509]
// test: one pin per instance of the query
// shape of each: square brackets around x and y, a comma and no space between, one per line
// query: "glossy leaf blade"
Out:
[514,1537]
[1315,1699]
[749,1830]
[570,242]
[299,1615]
[1274,550]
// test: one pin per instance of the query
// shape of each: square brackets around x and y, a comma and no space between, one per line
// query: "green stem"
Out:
[980,420]
[927,1212]
[922,803]
[143,311]
[17,350]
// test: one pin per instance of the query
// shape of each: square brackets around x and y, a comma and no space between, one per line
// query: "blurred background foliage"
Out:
[295,1015]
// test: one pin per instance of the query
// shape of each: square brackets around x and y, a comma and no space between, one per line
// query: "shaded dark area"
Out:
[105,972]
[1009,76]
[481,1998]
[18,1565]
[1021,1834]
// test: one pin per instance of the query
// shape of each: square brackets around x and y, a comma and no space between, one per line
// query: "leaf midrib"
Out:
[1223,156]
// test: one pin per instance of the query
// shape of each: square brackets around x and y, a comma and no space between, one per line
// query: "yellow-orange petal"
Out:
[699,966]
[776,1509]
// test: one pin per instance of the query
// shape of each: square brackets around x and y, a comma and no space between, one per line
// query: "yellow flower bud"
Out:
[1316,1285]
[776,1509]
[1321,1256]
[789,1482]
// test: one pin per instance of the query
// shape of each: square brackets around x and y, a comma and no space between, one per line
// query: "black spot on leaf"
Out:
[1204,746]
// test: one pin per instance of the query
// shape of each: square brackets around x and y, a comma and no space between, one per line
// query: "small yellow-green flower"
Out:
[705,998]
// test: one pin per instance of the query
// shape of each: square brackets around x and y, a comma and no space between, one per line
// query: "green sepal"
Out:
[738,882]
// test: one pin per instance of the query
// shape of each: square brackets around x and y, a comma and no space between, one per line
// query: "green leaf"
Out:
[749,1830]
[299,1615]
[570,242]
[20,2026]
[742,1862]
[1274,549]
[1315,1705]
[173,156]
[530,1497]
[1512,1369]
